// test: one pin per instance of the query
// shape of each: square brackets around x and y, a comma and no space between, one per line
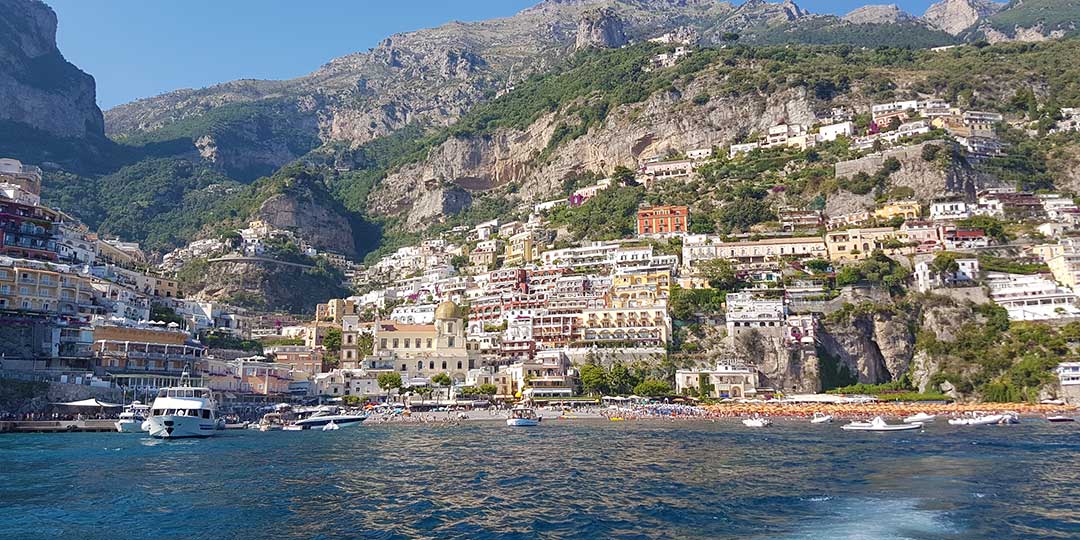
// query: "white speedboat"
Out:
[331,426]
[328,414]
[133,419]
[821,418]
[183,411]
[1060,418]
[921,418]
[522,417]
[879,424]
[986,420]
[757,422]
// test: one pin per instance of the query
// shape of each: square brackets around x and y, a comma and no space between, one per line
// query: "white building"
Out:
[833,131]
[1069,373]
[926,279]
[414,314]
[950,210]
[724,381]
[1031,298]
[745,311]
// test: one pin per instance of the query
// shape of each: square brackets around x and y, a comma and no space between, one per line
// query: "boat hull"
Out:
[130,426]
[338,420]
[179,427]
[522,422]
[897,427]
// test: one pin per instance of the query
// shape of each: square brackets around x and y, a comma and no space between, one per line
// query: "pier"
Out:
[62,426]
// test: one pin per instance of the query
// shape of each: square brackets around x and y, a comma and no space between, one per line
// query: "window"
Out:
[382,343]
[417,343]
[444,364]
[459,364]
[395,343]
[431,364]
[450,341]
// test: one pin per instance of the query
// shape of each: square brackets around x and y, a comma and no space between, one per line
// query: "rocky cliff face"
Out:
[265,286]
[301,211]
[875,347]
[878,14]
[948,173]
[665,121]
[38,88]
[955,16]
[600,28]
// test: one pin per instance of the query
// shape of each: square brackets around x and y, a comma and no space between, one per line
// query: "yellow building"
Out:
[521,249]
[1066,268]
[858,244]
[904,209]
[424,350]
[639,289]
[333,310]
[642,327]
[35,286]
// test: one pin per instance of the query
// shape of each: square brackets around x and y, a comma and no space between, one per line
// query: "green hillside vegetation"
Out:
[831,31]
[998,359]
[1051,14]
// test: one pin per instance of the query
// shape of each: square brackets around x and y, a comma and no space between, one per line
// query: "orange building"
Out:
[663,220]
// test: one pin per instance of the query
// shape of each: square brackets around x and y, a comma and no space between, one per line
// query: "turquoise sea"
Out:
[560,480]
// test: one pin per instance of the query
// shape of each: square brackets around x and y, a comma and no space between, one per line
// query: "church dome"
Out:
[447,310]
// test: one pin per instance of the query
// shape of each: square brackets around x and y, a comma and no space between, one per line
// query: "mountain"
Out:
[1031,20]
[955,16]
[877,14]
[38,87]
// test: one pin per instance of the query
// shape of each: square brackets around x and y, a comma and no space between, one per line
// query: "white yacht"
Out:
[326,415]
[756,422]
[821,418]
[879,424]
[133,418]
[183,411]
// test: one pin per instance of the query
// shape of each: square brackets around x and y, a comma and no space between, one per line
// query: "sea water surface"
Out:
[560,480]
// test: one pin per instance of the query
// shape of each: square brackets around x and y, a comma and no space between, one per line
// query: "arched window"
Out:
[420,365]
[444,364]
[459,364]
[431,364]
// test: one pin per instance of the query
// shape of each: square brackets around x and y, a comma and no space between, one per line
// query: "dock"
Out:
[63,426]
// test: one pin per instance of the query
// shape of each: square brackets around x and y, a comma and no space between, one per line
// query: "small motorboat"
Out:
[133,419]
[757,422]
[616,419]
[821,418]
[1059,418]
[522,417]
[331,426]
[292,427]
[921,418]
[879,424]
[986,420]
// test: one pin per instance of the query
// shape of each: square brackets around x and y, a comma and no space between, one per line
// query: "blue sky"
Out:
[141,48]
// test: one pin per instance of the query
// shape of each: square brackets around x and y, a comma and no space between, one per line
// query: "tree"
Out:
[945,263]
[487,390]
[443,380]
[459,261]
[652,388]
[622,381]
[720,273]
[389,381]
[366,344]
[623,176]
[332,340]
[594,379]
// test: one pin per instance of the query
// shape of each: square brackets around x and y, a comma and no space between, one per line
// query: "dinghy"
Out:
[879,424]
[921,418]
[821,418]
[756,422]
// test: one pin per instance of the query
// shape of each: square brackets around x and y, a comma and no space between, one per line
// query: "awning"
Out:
[92,402]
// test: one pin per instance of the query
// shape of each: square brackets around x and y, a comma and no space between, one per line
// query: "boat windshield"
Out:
[523,413]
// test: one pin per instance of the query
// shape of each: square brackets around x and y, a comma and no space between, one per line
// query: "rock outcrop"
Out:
[654,127]
[265,286]
[302,212]
[39,89]
[600,28]
[955,16]
[878,14]
[875,347]
[948,173]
